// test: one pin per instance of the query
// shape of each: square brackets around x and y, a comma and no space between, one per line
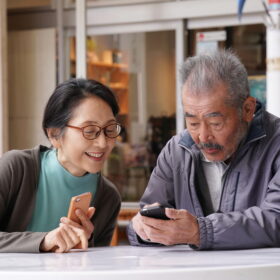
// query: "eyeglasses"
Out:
[91,132]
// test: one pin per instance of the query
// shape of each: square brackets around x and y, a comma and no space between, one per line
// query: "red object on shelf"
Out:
[274,1]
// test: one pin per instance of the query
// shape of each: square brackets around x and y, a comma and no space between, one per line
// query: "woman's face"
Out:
[77,154]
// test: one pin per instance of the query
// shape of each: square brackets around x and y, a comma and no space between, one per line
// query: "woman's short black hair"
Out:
[68,95]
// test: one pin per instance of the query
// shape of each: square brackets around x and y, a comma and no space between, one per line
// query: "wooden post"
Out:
[4,117]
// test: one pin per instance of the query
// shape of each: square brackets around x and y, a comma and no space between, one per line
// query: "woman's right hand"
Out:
[63,239]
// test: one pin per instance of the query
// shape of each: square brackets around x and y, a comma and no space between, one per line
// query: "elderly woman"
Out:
[36,185]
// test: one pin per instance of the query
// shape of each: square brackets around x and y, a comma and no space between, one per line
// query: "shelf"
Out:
[118,86]
[108,65]
[115,76]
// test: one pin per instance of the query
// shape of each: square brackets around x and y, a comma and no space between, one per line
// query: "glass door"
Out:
[140,68]
[140,62]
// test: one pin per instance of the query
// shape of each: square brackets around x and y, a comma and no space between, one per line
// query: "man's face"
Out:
[216,127]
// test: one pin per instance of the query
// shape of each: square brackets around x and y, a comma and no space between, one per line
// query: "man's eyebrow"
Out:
[213,114]
[188,115]
[209,115]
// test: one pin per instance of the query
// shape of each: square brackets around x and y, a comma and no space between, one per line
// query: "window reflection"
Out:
[140,69]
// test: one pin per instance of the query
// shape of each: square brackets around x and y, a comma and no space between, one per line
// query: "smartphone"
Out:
[157,212]
[82,202]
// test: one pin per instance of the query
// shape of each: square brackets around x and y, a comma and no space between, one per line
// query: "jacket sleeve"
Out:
[105,218]
[21,242]
[254,227]
[11,178]
[105,238]
[160,189]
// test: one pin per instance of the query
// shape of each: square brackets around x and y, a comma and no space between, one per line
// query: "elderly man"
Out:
[219,179]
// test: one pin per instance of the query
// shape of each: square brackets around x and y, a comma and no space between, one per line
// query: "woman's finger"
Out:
[67,221]
[70,237]
[85,222]
[60,243]
[90,212]
[82,236]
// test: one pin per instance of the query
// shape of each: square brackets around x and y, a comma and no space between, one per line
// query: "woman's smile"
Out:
[95,156]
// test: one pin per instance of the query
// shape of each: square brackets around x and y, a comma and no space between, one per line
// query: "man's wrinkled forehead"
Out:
[202,80]
[203,88]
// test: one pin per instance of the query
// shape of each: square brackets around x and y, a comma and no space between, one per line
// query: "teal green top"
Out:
[55,189]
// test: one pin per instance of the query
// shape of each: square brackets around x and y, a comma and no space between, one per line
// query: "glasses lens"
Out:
[112,130]
[91,131]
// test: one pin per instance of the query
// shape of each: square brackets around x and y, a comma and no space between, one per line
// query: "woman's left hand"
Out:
[85,222]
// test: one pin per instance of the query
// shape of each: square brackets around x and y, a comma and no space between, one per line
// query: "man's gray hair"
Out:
[204,72]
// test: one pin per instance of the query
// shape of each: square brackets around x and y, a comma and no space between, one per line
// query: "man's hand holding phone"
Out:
[181,228]
[154,211]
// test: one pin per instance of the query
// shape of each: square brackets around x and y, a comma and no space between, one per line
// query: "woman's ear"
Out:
[54,136]
[248,109]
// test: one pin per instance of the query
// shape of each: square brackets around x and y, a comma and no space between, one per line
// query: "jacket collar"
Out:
[255,132]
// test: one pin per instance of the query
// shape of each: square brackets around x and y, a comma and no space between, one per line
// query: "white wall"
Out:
[32,79]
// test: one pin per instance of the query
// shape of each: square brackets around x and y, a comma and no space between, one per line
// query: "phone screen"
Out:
[157,212]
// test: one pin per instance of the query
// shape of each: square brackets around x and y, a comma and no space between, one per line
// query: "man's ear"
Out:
[54,136]
[248,109]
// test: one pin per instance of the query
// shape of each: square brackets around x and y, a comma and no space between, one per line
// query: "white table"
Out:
[143,263]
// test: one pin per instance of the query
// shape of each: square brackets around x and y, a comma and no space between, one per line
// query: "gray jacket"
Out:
[249,211]
[19,175]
